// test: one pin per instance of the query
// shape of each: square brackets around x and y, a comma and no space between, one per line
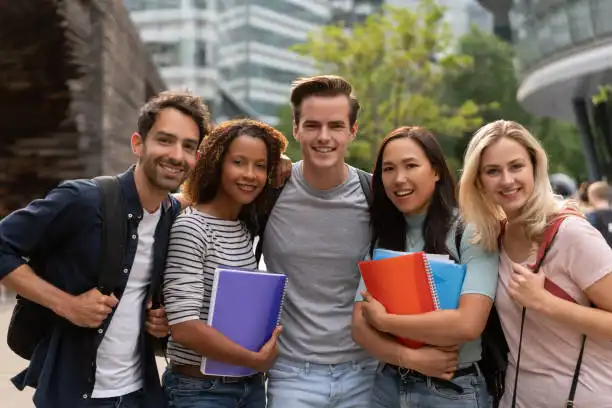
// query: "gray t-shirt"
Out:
[316,238]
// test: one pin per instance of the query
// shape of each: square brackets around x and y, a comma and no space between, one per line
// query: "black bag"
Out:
[30,322]
[365,180]
[494,358]
[602,220]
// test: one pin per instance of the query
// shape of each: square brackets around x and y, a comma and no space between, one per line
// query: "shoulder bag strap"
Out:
[365,179]
[114,232]
[262,221]
[549,235]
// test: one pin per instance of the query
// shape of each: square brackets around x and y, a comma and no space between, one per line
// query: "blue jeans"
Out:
[394,391]
[184,391]
[294,384]
[132,400]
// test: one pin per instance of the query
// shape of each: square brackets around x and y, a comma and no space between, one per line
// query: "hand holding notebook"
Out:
[245,307]
[403,285]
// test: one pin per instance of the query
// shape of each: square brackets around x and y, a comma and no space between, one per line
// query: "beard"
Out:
[159,179]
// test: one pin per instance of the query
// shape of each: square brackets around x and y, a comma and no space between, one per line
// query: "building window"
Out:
[165,54]
[200,4]
[260,35]
[135,5]
[292,10]
[581,26]
[266,108]
[200,54]
[602,13]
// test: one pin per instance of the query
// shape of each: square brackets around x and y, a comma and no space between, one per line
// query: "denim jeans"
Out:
[132,400]
[394,391]
[294,384]
[184,391]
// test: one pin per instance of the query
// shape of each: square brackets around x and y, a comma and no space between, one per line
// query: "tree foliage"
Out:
[491,82]
[396,61]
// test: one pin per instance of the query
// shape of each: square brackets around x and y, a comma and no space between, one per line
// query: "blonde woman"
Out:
[505,178]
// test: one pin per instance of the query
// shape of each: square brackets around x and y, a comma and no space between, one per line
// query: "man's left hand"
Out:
[157,322]
[283,171]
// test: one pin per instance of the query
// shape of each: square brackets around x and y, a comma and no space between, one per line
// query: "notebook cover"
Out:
[448,276]
[402,284]
[245,307]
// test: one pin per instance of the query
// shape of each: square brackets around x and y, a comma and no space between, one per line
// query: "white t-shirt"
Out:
[119,364]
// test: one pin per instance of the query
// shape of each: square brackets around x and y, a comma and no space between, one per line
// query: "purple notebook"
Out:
[245,306]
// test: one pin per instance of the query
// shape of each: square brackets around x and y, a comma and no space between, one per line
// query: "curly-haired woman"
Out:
[228,188]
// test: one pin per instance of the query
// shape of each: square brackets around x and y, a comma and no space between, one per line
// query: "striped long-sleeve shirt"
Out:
[199,243]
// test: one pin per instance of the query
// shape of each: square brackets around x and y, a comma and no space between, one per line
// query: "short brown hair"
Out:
[204,181]
[185,102]
[322,85]
[599,190]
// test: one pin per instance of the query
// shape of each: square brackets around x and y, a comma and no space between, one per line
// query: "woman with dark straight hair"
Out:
[415,209]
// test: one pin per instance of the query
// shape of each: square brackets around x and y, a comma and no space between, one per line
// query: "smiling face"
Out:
[244,171]
[407,176]
[507,175]
[324,132]
[168,152]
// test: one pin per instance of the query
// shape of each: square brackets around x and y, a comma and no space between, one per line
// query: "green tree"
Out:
[285,126]
[491,82]
[396,61]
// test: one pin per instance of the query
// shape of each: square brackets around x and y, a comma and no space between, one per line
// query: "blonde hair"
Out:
[480,210]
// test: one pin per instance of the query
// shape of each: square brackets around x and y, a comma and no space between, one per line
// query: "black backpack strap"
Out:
[459,229]
[114,233]
[365,179]
[262,221]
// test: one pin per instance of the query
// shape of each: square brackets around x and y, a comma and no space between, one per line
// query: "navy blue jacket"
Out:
[60,235]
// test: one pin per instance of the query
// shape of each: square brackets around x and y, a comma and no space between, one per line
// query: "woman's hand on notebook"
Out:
[269,352]
[374,312]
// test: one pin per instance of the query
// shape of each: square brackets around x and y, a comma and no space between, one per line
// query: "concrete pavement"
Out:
[10,364]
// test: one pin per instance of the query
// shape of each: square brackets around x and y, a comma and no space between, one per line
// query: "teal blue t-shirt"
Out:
[481,271]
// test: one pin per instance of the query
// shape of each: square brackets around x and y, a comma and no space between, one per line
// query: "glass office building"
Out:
[564,54]
[235,53]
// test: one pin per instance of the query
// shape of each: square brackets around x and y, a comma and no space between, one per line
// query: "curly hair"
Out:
[204,182]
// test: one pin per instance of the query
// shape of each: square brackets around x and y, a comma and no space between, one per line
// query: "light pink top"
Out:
[578,258]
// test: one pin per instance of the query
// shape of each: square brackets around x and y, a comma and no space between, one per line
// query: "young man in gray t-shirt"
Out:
[316,234]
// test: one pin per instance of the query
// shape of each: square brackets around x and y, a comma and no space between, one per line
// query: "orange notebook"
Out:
[403,284]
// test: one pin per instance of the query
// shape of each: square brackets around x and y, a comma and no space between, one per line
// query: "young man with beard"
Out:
[316,233]
[99,354]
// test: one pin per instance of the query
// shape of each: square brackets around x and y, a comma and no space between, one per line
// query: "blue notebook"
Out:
[245,306]
[448,277]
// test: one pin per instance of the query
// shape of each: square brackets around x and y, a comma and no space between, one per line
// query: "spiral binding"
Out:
[430,281]
[282,303]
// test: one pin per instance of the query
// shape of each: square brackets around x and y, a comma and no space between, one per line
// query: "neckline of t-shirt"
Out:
[215,218]
[152,215]
[527,261]
[298,173]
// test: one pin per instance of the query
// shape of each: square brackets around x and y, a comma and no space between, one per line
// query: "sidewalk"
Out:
[9,366]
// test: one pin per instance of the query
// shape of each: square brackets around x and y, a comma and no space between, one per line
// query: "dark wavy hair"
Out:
[388,224]
[204,182]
